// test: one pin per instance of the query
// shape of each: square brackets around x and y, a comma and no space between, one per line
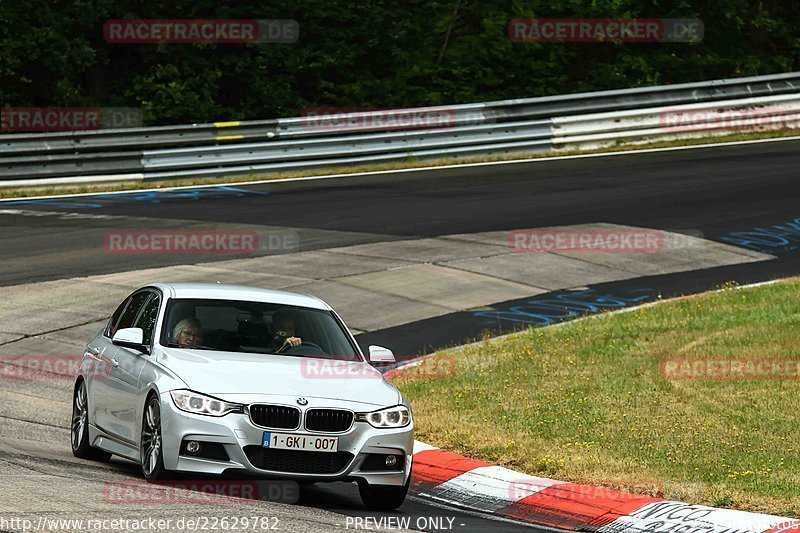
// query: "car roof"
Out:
[219,291]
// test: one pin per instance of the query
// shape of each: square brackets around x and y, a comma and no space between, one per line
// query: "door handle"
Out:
[92,350]
[114,362]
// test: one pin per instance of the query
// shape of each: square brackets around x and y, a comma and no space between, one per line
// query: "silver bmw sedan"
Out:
[219,379]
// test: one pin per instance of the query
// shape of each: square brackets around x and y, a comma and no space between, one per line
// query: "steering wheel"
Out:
[286,347]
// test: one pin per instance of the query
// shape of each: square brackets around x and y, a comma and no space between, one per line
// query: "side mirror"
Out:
[131,338]
[379,354]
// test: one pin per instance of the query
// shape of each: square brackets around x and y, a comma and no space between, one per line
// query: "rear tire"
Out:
[79,429]
[383,497]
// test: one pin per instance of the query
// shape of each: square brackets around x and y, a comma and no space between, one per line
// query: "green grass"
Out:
[586,401]
[28,191]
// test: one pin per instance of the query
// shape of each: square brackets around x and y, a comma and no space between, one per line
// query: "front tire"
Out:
[151,447]
[383,497]
[79,429]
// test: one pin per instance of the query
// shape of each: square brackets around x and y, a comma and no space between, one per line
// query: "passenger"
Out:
[281,331]
[188,333]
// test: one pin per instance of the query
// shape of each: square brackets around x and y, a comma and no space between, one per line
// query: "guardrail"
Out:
[600,130]
[576,121]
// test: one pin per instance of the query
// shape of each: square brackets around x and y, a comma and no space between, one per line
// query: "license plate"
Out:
[309,443]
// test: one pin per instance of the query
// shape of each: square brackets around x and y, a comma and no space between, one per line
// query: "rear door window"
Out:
[147,319]
[111,328]
[132,311]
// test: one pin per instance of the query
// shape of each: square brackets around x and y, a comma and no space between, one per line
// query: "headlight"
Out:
[200,404]
[393,417]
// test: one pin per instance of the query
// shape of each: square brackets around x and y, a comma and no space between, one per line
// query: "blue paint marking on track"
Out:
[564,305]
[778,239]
[146,197]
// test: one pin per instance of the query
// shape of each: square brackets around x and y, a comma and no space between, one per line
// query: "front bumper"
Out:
[235,431]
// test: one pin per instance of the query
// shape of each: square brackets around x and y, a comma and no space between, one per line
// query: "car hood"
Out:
[224,374]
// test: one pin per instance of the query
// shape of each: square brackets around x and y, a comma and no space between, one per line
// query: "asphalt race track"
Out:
[715,192]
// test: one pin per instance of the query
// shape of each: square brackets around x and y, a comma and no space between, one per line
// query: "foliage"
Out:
[367,54]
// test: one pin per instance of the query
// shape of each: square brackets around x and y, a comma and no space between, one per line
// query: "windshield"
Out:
[256,327]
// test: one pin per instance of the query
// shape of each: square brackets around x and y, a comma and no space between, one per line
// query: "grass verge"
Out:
[588,402]
[28,191]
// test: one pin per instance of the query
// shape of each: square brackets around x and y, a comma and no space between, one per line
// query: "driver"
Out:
[281,332]
[188,333]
